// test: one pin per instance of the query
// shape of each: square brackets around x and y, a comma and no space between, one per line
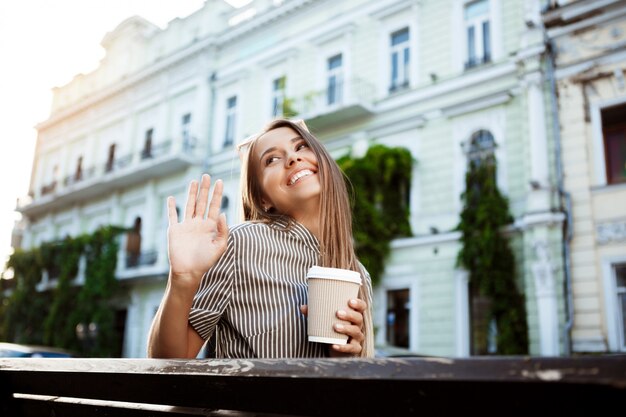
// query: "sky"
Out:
[44,44]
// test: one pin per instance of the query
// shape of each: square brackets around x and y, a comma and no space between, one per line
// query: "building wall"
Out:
[590,71]
[191,68]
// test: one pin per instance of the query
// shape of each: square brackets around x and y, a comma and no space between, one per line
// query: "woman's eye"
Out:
[270,160]
[301,146]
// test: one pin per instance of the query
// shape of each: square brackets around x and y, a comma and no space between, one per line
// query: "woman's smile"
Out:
[300,174]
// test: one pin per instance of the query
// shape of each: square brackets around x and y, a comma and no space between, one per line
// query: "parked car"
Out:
[14,350]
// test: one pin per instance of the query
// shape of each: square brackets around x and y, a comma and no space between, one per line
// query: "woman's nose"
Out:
[292,158]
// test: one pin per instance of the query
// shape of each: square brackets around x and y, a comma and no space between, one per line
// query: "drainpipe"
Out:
[564,198]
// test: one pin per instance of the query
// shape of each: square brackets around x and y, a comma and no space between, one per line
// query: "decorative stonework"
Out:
[611,232]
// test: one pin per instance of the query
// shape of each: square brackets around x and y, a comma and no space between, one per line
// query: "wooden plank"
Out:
[326,387]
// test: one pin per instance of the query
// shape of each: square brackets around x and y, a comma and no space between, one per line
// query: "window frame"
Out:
[398,278]
[188,141]
[230,122]
[463,127]
[598,143]
[612,315]
[278,95]
[478,24]
[401,50]
[336,74]
[459,33]
[392,22]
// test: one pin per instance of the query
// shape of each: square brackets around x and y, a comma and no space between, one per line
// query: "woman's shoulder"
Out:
[245,228]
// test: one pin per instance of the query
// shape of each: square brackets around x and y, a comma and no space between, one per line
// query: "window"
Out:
[278,96]
[133,244]
[334,89]
[78,175]
[481,147]
[398,312]
[147,145]
[231,118]
[110,159]
[478,33]
[620,285]
[185,127]
[614,132]
[399,59]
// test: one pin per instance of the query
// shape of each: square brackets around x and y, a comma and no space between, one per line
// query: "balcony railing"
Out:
[118,163]
[142,259]
[417,386]
[96,181]
[156,151]
[79,176]
[476,61]
[340,101]
[48,188]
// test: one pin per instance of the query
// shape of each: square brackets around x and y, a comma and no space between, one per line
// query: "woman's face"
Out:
[288,173]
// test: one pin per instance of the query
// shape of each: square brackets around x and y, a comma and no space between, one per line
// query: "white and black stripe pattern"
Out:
[252,296]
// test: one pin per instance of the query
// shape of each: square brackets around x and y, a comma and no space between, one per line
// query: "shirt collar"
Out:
[296,230]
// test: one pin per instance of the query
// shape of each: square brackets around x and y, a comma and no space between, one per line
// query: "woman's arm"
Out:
[194,246]
[171,336]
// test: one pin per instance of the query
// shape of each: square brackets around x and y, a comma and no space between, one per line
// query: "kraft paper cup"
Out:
[330,289]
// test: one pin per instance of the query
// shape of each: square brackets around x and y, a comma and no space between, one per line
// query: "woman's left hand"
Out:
[354,330]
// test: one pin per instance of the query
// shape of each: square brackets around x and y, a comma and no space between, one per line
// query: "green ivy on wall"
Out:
[487,256]
[25,309]
[381,181]
[51,317]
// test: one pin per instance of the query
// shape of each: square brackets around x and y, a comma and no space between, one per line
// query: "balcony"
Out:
[337,103]
[473,62]
[98,181]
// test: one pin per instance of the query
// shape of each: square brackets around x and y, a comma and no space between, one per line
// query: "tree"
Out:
[381,181]
[487,256]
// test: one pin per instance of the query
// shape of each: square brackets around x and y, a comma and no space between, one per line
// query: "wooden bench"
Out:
[503,386]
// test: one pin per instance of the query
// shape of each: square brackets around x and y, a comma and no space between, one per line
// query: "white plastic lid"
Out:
[334,273]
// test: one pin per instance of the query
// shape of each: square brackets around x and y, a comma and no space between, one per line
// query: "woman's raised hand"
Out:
[197,242]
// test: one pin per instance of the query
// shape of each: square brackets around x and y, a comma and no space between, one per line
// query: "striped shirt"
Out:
[252,296]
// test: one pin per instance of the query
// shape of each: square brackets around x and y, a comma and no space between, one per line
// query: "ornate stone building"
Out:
[588,45]
[432,76]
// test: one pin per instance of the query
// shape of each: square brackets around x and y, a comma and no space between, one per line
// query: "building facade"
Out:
[431,76]
[588,43]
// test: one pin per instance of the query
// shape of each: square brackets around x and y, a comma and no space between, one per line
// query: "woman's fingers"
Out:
[203,195]
[216,200]
[172,216]
[190,207]
[353,329]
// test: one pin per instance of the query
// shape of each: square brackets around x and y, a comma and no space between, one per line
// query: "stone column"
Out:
[543,273]
[539,195]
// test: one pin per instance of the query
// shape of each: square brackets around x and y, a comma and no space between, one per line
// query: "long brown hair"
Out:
[335,215]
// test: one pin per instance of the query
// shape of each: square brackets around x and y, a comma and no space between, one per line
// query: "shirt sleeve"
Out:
[214,294]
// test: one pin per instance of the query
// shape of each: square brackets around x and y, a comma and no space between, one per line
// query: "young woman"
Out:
[248,285]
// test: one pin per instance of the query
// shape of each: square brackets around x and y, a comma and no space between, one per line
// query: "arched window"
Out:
[481,147]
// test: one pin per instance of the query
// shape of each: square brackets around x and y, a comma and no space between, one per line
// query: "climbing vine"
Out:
[381,181]
[25,309]
[487,256]
[50,317]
